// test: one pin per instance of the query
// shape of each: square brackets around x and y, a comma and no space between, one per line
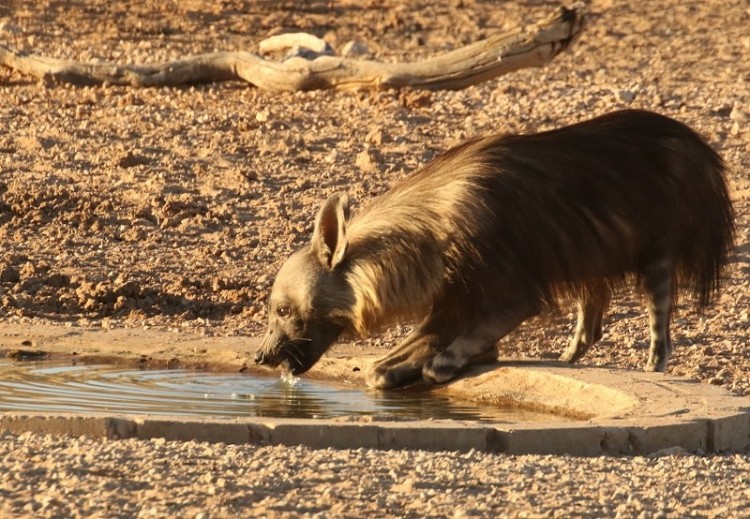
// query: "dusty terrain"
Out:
[173,208]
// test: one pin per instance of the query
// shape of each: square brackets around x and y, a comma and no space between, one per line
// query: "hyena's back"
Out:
[559,210]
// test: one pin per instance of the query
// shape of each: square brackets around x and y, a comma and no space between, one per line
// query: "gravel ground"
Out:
[54,477]
[173,208]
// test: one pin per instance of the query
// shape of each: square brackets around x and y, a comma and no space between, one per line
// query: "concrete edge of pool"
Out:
[626,412]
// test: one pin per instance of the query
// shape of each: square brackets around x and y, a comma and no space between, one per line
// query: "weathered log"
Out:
[532,46]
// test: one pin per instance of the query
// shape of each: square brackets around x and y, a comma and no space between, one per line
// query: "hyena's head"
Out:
[311,302]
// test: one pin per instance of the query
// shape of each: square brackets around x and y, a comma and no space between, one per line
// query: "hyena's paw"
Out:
[572,355]
[383,376]
[656,363]
[658,355]
[578,348]
[442,368]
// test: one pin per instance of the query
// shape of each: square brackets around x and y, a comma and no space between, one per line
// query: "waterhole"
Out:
[44,387]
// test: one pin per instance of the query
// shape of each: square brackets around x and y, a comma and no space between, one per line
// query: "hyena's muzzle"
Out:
[280,350]
[296,354]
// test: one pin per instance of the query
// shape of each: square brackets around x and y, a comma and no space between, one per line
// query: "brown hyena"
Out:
[498,228]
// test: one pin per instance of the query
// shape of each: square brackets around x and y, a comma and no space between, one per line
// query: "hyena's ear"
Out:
[329,241]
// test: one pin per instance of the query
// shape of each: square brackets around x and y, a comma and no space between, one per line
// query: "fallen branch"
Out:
[532,46]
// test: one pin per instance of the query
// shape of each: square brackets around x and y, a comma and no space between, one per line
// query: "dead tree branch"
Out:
[532,46]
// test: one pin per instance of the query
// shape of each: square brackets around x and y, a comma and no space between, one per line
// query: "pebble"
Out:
[9,27]
[626,96]
[355,49]
[738,115]
[365,162]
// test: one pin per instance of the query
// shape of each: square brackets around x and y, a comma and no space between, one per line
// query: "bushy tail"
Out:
[710,245]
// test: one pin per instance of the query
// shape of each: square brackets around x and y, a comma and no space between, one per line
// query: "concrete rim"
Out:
[627,413]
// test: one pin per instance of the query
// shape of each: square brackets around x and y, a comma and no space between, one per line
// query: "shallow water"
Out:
[55,387]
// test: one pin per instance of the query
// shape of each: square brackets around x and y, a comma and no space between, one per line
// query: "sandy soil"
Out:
[173,208]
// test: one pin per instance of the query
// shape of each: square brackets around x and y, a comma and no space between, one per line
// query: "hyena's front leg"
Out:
[658,284]
[404,363]
[473,345]
[589,327]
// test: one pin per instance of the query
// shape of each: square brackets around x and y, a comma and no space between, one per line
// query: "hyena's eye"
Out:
[283,311]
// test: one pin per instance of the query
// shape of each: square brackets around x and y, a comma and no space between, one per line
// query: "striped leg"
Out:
[472,346]
[404,363]
[589,327]
[658,285]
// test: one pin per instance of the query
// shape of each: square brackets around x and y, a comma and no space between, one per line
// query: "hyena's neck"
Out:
[392,282]
[400,261]
[406,244]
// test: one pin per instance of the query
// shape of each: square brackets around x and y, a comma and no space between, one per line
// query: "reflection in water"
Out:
[49,387]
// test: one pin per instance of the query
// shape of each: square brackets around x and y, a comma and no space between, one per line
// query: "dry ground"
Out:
[174,208]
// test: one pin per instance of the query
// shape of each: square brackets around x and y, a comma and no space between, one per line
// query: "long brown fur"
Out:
[500,227]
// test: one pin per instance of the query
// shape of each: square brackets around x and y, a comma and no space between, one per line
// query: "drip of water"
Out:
[55,387]
[289,379]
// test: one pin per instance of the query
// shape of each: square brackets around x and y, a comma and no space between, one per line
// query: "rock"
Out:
[405,487]
[297,40]
[130,160]
[365,162]
[626,96]
[10,28]
[127,289]
[355,49]
[57,280]
[9,274]
[376,136]
[415,98]
[738,115]
[332,157]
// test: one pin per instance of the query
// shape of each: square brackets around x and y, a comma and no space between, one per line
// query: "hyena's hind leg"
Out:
[404,363]
[589,326]
[472,345]
[658,285]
